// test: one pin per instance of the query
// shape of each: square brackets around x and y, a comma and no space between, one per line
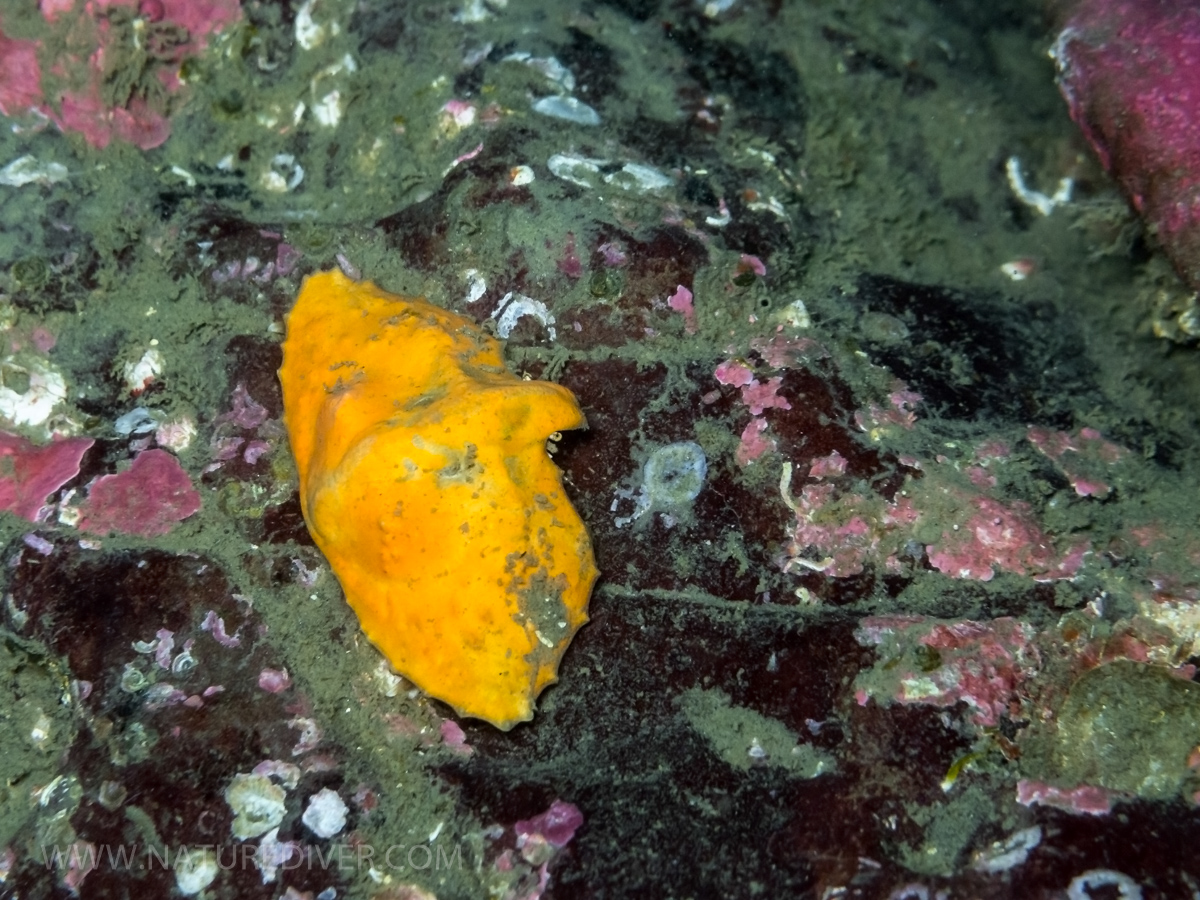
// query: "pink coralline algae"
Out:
[681,302]
[830,466]
[274,681]
[754,443]
[457,114]
[153,35]
[734,373]
[20,75]
[840,529]
[557,824]
[569,263]
[251,268]
[783,352]
[750,264]
[147,499]
[165,647]
[985,664]
[310,735]
[779,352]
[455,738]
[1083,457]
[1092,801]
[1139,640]
[759,397]
[215,625]
[613,254]
[245,415]
[838,532]
[29,474]
[539,841]
[1130,71]
[898,412]
[75,864]
[839,540]
[1005,538]
[245,411]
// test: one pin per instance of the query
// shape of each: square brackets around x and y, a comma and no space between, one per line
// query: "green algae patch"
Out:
[949,831]
[747,739]
[1128,727]
[39,730]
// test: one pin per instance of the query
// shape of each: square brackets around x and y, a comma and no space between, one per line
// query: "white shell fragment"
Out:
[714,8]
[586,172]
[42,729]
[576,169]
[46,390]
[567,108]
[328,110]
[27,170]
[794,315]
[475,11]
[188,178]
[1018,269]
[176,434]
[329,106]
[1043,203]
[520,175]
[325,814]
[309,33]
[476,285]
[1081,886]
[1006,854]
[137,421]
[139,375]
[548,66]
[513,306]
[635,176]
[285,174]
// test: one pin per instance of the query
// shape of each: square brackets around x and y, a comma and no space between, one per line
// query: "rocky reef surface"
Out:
[890,481]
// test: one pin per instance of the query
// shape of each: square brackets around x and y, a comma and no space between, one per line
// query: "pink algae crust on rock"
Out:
[29,473]
[1087,799]
[1005,537]
[147,499]
[1130,71]
[557,824]
[69,89]
[1082,457]
[984,664]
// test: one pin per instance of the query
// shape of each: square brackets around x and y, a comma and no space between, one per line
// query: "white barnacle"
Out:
[284,174]
[133,679]
[672,478]
[183,663]
[257,804]
[195,869]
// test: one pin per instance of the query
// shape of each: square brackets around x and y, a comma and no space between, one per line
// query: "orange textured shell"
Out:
[424,479]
